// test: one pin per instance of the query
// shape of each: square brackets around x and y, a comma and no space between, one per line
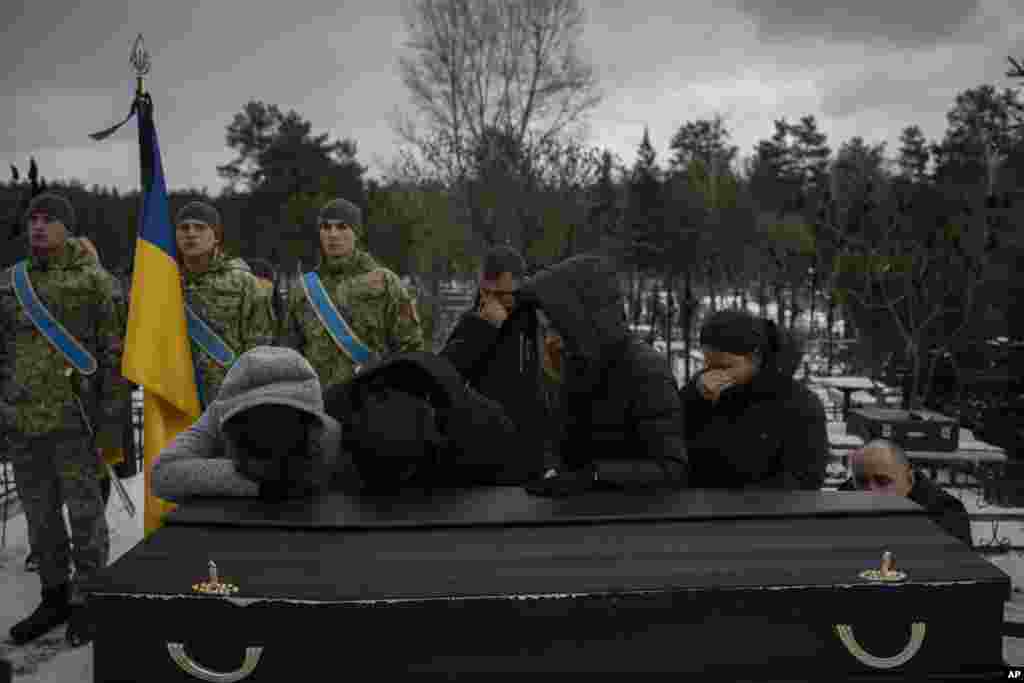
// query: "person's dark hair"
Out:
[500,259]
[742,332]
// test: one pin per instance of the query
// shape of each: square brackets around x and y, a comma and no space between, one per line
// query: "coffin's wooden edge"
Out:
[515,508]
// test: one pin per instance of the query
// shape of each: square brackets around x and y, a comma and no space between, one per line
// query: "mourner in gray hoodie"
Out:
[266,435]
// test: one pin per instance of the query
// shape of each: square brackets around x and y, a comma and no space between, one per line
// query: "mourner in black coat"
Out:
[882,467]
[618,412]
[747,422]
[495,348]
[411,421]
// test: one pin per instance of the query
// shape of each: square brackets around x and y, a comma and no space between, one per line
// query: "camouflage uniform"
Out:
[56,461]
[371,299]
[229,299]
[108,441]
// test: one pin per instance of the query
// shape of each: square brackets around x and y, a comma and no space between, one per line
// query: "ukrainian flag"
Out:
[157,354]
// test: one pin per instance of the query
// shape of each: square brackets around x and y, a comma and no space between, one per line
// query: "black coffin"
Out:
[719,586]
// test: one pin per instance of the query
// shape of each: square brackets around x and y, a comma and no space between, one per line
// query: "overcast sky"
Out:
[868,71]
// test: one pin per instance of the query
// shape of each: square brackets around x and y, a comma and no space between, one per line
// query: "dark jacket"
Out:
[769,434]
[943,508]
[503,364]
[475,435]
[618,407]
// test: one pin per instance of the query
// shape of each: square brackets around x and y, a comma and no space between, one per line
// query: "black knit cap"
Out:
[55,206]
[341,210]
[739,332]
[198,211]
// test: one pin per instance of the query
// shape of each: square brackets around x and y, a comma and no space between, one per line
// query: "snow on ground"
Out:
[50,661]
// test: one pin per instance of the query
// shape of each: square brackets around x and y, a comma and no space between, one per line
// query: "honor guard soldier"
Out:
[349,310]
[112,453]
[227,311]
[59,359]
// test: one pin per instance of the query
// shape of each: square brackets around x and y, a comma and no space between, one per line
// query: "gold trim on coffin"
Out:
[214,585]
[917,633]
[189,666]
[876,575]
[885,573]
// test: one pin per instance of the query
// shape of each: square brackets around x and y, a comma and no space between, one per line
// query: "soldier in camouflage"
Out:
[56,413]
[222,291]
[378,309]
[111,453]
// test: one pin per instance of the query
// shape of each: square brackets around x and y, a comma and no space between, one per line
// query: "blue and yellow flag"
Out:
[157,353]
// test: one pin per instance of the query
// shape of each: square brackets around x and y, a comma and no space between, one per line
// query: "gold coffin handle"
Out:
[917,631]
[186,664]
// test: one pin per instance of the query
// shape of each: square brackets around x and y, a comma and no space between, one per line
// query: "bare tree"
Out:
[924,280]
[486,65]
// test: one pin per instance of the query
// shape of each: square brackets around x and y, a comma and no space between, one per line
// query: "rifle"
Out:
[122,492]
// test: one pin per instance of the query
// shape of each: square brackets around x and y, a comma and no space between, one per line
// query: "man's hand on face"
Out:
[492,310]
[713,382]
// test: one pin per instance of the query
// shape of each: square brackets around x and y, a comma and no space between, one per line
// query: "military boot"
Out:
[52,612]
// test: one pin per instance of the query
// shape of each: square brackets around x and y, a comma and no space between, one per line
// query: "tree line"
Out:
[917,254]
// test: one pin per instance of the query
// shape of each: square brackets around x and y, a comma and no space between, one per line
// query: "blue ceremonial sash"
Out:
[332,321]
[62,340]
[207,339]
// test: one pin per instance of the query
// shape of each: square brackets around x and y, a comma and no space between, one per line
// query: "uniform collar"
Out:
[356,263]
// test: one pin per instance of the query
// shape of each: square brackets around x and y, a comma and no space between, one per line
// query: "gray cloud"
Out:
[876,22]
[928,79]
[660,63]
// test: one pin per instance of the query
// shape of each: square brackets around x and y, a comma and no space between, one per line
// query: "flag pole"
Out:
[141,63]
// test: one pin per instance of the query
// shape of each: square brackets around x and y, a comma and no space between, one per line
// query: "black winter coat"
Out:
[477,433]
[618,407]
[943,508]
[502,363]
[768,434]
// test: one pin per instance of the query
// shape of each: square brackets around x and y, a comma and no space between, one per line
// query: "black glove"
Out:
[568,483]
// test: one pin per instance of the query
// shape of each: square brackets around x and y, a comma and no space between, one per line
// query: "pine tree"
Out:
[914,155]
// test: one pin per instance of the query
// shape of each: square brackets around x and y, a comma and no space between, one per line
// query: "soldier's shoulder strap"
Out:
[206,339]
[63,341]
[337,327]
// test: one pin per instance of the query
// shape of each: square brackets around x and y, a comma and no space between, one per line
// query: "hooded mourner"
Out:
[767,431]
[618,409]
[211,459]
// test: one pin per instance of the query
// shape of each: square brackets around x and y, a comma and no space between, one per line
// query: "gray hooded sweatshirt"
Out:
[199,462]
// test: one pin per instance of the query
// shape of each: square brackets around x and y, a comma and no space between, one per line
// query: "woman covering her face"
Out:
[747,422]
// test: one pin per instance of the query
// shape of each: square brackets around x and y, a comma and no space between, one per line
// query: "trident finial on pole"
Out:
[141,63]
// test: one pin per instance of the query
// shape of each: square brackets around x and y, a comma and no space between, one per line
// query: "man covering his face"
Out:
[494,347]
